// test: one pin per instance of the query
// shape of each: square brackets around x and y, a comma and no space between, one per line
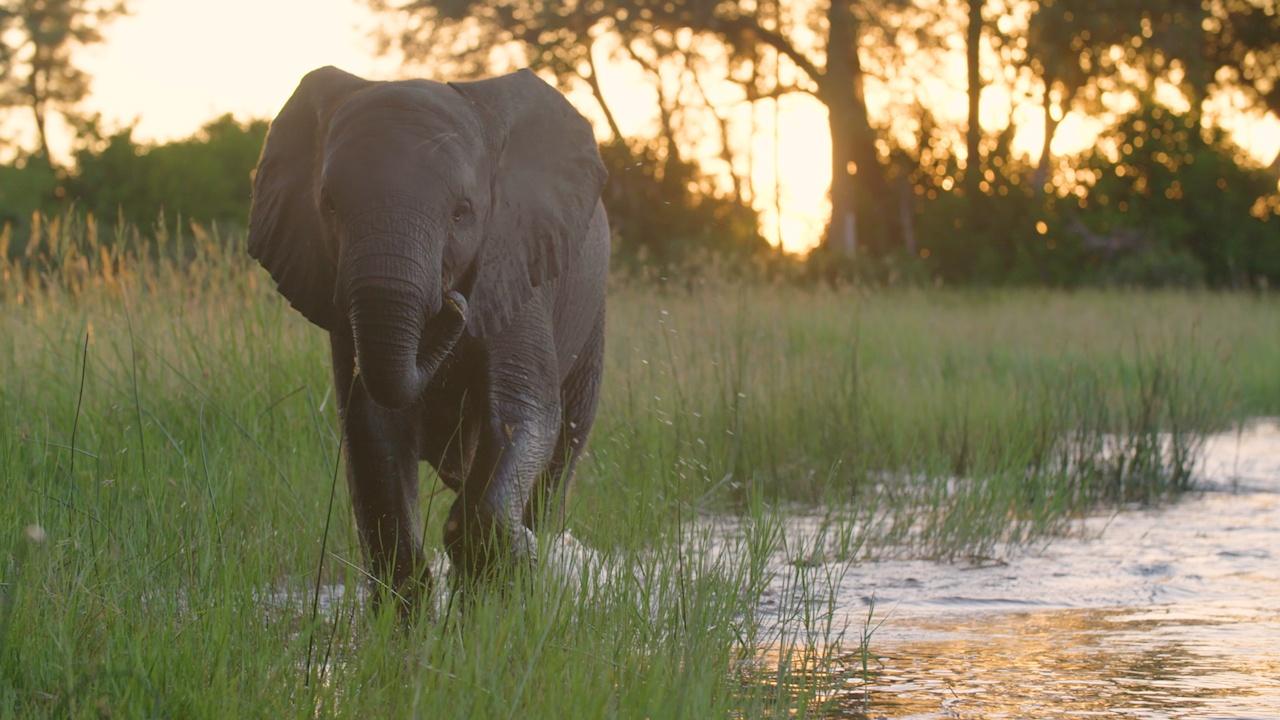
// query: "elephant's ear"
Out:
[285,227]
[547,181]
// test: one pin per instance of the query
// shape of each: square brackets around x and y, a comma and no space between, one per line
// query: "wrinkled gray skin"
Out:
[450,239]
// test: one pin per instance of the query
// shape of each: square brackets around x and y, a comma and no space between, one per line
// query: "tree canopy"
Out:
[37,70]
[922,189]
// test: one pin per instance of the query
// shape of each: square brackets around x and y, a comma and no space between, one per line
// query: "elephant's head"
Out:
[404,212]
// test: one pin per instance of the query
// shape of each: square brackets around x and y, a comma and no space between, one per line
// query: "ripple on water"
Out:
[1168,612]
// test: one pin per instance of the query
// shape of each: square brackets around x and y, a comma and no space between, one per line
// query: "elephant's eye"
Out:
[326,202]
[461,211]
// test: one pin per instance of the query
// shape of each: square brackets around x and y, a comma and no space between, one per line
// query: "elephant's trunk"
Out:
[403,328]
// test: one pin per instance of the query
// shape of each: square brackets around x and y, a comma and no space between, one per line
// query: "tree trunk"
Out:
[593,81]
[38,112]
[842,232]
[906,214]
[43,134]
[1046,149]
[777,131]
[665,118]
[1199,75]
[726,147]
[751,146]
[973,132]
[857,179]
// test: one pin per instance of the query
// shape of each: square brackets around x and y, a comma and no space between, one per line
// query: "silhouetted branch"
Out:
[771,38]
[593,81]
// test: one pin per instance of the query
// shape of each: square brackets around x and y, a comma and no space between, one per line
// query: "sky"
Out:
[172,65]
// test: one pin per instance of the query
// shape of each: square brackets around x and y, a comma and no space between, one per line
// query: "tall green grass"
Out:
[167,425]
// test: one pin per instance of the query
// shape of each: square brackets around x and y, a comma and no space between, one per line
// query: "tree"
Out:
[1068,48]
[37,72]
[973,128]
[1235,44]
[1078,49]
[554,36]
[1178,194]
[1243,37]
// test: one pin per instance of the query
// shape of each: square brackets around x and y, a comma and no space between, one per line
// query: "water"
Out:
[1151,613]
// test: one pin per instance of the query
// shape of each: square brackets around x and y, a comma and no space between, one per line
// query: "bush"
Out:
[204,178]
[665,215]
[1172,204]
[26,187]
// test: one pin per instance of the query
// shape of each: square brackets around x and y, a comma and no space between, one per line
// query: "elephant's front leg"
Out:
[382,476]
[486,523]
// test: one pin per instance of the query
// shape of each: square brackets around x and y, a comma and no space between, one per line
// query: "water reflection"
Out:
[1156,663]
[1160,613]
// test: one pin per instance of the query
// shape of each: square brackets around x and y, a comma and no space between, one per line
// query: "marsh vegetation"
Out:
[168,447]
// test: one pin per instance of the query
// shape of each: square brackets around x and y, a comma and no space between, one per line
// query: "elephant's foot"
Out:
[410,593]
[484,547]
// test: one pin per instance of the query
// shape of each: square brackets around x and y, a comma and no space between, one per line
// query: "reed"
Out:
[168,439]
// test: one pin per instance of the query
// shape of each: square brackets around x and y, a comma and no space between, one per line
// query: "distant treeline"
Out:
[1156,201]
[203,178]
[1167,204]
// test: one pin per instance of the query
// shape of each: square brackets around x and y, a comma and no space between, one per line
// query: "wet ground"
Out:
[1151,613]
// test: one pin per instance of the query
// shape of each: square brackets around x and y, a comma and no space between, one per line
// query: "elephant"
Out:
[451,239]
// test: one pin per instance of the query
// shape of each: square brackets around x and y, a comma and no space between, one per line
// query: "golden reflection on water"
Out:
[1217,662]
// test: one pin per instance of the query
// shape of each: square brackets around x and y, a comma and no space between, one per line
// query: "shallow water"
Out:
[1151,613]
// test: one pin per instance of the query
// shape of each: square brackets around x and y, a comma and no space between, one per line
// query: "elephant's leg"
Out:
[382,476]
[579,395]
[486,523]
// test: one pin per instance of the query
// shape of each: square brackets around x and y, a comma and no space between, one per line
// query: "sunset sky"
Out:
[174,64]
